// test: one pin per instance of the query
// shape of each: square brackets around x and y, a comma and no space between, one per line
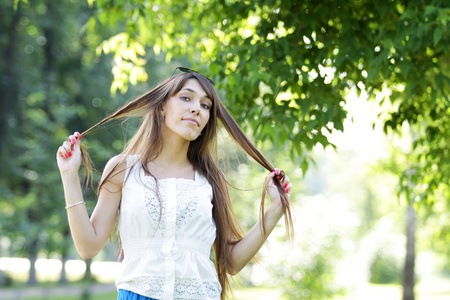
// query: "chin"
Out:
[192,138]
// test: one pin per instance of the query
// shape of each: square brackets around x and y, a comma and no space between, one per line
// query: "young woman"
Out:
[170,198]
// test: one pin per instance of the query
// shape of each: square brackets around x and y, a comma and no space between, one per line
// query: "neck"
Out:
[172,162]
[174,153]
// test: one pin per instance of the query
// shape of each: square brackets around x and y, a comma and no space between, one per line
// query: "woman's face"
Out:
[187,112]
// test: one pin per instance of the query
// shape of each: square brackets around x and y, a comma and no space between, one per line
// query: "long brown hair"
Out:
[201,154]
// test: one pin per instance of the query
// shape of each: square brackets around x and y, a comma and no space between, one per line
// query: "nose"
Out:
[195,109]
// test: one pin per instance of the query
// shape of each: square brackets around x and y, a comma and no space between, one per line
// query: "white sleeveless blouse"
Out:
[167,247]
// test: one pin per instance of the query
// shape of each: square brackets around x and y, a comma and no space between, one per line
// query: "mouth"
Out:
[193,121]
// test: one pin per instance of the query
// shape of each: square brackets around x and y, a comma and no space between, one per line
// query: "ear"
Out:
[161,110]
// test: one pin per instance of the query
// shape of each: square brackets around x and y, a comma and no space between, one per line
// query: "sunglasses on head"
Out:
[187,70]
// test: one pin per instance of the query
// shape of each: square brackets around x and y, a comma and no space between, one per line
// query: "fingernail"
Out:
[278,172]
[278,177]
[273,171]
[74,141]
[70,153]
[285,185]
[65,155]
[287,191]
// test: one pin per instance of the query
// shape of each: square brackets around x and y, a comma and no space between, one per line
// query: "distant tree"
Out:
[46,92]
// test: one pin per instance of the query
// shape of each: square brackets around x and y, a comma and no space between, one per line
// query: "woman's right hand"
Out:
[68,156]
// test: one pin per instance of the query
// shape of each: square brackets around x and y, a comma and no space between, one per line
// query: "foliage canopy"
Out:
[284,67]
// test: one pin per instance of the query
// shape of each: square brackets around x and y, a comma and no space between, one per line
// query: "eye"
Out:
[206,105]
[185,98]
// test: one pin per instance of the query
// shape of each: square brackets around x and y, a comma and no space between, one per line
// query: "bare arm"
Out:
[89,234]
[247,248]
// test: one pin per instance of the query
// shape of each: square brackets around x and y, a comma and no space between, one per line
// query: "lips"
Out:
[194,121]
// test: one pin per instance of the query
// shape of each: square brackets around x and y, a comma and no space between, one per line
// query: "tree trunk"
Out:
[8,86]
[63,278]
[88,274]
[32,279]
[49,72]
[408,271]
[86,295]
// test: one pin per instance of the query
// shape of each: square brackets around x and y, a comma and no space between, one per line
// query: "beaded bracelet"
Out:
[75,204]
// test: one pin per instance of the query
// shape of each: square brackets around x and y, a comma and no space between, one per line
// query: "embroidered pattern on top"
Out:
[187,201]
[185,288]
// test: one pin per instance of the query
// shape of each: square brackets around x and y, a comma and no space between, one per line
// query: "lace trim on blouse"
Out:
[185,288]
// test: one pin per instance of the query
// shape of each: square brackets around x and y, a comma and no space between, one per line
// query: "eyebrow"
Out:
[192,91]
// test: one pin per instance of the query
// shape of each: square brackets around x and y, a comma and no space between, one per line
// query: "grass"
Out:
[104,296]
[241,294]
[436,288]
[256,293]
[430,288]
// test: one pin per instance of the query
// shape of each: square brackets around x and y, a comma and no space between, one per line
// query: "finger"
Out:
[72,139]
[59,153]
[62,152]
[68,148]
[269,178]
[288,188]
[285,180]
[286,184]
[279,174]
[77,135]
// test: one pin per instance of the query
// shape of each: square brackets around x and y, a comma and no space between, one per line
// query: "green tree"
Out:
[283,67]
[46,92]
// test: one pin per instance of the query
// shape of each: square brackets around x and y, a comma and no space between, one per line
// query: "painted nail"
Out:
[287,191]
[278,172]
[278,177]
[74,141]
[273,171]
[65,155]
[70,153]
[285,185]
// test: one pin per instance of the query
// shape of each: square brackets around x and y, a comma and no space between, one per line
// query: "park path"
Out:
[45,292]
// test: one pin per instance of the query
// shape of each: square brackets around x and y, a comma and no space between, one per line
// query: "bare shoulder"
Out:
[116,167]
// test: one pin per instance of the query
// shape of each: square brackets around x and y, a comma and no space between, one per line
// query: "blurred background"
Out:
[350,98]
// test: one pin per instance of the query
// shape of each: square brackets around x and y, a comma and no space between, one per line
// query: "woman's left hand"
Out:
[272,190]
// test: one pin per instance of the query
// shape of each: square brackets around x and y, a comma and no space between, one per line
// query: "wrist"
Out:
[274,210]
[69,175]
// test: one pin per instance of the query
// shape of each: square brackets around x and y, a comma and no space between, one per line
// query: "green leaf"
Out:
[304,165]
[437,36]
[429,10]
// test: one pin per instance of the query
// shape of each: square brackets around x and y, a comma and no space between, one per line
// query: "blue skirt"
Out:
[127,295]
